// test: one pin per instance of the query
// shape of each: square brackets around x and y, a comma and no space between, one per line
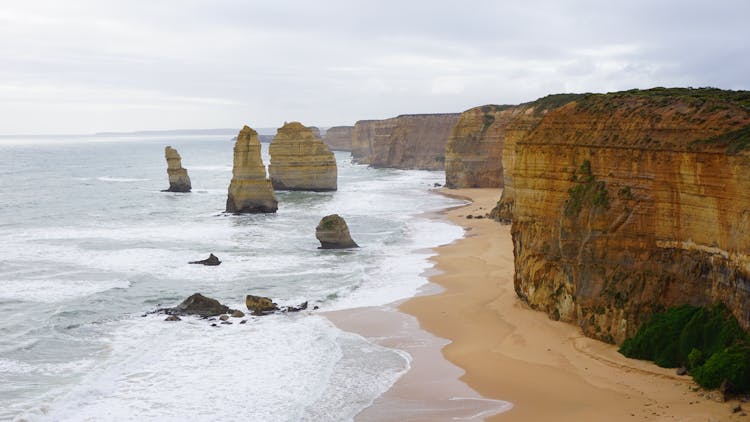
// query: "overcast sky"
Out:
[82,66]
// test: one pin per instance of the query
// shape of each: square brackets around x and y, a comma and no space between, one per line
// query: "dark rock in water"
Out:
[200,305]
[236,313]
[212,260]
[301,307]
[214,325]
[437,185]
[333,233]
[226,322]
[244,321]
[316,307]
[173,318]
[259,305]
[681,371]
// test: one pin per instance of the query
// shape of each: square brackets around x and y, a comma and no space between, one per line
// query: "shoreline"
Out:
[546,369]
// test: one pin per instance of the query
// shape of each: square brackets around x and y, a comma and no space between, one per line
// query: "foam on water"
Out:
[93,257]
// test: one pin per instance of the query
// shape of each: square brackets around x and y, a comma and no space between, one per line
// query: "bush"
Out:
[709,341]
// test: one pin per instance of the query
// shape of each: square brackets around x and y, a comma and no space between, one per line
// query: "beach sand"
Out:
[545,368]
[505,351]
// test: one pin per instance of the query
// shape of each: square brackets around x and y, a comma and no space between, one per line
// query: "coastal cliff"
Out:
[300,160]
[413,141]
[339,138]
[624,204]
[249,191]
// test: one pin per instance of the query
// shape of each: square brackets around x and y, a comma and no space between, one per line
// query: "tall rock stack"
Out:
[300,161]
[339,138]
[250,191]
[179,181]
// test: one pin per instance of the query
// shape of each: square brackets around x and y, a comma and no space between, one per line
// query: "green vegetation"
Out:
[735,141]
[707,340]
[665,96]
[587,191]
[551,102]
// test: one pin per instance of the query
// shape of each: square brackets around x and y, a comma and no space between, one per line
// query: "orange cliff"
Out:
[413,141]
[626,203]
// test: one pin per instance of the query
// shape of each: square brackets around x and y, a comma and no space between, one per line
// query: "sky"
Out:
[85,66]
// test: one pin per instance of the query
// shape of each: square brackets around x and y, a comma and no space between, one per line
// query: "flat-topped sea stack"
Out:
[411,141]
[249,191]
[301,161]
[631,202]
[179,181]
[339,138]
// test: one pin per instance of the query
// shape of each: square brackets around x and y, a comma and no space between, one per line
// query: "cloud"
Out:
[223,63]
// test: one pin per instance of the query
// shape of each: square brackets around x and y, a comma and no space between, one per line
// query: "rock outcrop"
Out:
[300,161]
[413,141]
[179,181]
[624,204]
[211,261]
[339,138]
[333,233]
[259,305]
[200,305]
[249,191]
[315,131]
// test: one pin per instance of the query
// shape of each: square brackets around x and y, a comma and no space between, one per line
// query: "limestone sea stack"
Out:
[301,161]
[179,181]
[339,138]
[333,233]
[250,191]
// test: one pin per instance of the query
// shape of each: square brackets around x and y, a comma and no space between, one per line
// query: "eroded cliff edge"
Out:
[626,203]
[412,141]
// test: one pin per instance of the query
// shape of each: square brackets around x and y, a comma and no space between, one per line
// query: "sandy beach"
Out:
[546,369]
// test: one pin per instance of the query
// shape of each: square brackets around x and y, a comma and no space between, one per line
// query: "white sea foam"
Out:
[55,289]
[120,179]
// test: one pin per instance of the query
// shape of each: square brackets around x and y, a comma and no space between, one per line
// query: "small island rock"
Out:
[333,233]
[200,305]
[259,305]
[211,261]
[179,181]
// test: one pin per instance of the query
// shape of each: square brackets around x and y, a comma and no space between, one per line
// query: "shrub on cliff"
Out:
[707,340]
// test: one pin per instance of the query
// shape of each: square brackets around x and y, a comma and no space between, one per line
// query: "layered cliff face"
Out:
[249,191]
[414,141]
[179,181]
[300,160]
[628,203]
[339,138]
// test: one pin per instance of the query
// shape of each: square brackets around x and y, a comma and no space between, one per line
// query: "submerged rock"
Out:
[236,313]
[173,318]
[211,261]
[179,181]
[259,305]
[333,233]
[249,191]
[200,305]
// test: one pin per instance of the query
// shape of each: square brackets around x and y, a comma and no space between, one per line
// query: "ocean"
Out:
[90,245]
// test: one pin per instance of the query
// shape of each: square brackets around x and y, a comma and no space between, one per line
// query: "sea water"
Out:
[89,244]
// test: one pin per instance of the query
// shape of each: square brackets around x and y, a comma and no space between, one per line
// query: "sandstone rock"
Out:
[315,132]
[339,138]
[236,313]
[212,260]
[224,317]
[200,305]
[413,141]
[300,161]
[249,191]
[173,318]
[631,202]
[258,305]
[179,181]
[333,233]
[735,408]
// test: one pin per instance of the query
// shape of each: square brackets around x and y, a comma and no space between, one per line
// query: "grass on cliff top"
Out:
[666,96]
[707,340]
[551,102]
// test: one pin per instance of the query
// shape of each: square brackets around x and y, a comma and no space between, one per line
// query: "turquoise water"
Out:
[90,244]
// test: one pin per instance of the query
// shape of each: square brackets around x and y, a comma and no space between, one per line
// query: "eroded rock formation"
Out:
[413,141]
[626,203]
[339,138]
[333,233]
[200,305]
[179,181]
[300,161]
[249,191]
